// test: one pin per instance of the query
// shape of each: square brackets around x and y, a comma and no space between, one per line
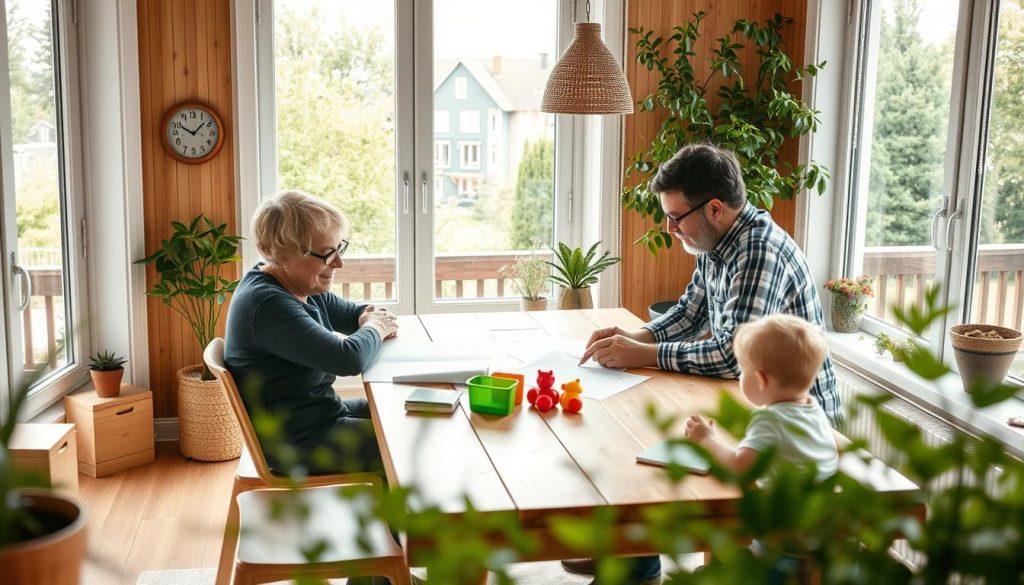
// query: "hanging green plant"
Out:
[753,118]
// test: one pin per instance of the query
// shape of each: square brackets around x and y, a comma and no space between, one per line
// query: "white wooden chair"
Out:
[259,549]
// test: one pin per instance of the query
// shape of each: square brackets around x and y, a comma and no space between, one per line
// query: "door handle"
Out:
[405,192]
[423,193]
[939,214]
[950,234]
[26,283]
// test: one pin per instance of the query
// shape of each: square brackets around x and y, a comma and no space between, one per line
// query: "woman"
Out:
[288,337]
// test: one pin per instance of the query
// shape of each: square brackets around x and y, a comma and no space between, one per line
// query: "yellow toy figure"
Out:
[570,400]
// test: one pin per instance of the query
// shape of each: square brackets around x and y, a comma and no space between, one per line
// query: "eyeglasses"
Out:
[678,220]
[330,256]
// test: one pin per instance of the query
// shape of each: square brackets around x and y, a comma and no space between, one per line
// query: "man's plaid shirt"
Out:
[755,270]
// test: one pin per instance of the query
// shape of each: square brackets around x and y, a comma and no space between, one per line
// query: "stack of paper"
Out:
[598,382]
[665,453]
[413,361]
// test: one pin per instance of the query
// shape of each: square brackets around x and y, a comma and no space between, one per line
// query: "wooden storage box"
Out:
[48,450]
[113,433]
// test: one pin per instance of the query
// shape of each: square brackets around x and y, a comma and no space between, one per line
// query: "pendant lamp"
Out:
[586,79]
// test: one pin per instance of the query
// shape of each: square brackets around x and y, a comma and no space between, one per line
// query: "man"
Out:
[747,267]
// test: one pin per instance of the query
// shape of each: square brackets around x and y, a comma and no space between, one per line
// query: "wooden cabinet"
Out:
[113,433]
[49,452]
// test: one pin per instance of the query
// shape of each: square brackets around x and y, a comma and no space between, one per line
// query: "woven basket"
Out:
[206,424]
[1008,344]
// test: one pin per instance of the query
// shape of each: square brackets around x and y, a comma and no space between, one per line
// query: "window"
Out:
[442,154]
[492,159]
[40,221]
[937,181]
[442,121]
[469,155]
[493,122]
[469,122]
[411,232]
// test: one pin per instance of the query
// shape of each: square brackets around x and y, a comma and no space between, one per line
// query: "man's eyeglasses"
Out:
[678,220]
[333,254]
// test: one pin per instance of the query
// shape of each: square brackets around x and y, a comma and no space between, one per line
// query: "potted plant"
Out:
[849,301]
[576,271]
[898,349]
[191,279]
[753,115]
[984,353]
[528,277]
[42,534]
[106,369]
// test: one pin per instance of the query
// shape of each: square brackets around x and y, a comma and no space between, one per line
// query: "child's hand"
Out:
[698,429]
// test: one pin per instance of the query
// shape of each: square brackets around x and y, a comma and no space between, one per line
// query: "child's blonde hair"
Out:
[784,347]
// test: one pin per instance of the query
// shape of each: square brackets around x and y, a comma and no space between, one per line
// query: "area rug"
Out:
[521,573]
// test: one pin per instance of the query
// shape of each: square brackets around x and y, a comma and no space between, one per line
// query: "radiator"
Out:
[860,424]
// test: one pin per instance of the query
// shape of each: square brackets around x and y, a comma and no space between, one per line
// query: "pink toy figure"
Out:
[570,400]
[545,383]
[546,379]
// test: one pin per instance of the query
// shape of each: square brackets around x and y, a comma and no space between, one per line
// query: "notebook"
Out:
[404,361]
[430,400]
[663,453]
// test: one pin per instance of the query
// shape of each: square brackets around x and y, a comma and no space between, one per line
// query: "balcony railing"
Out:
[901,275]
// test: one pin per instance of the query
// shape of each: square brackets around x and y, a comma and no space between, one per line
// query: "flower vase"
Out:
[847,312]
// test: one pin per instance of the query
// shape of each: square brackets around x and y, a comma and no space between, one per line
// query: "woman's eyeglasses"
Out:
[333,254]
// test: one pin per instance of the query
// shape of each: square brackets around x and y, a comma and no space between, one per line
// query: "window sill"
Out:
[944,398]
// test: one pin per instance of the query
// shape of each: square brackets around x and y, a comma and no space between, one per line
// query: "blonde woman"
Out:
[288,337]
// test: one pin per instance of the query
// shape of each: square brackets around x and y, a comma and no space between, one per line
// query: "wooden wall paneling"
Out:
[647,279]
[183,56]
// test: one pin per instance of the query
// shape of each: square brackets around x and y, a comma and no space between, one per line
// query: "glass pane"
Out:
[494,150]
[998,297]
[335,98]
[38,183]
[907,121]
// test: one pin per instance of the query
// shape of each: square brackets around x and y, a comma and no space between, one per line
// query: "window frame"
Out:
[70,161]
[445,148]
[469,122]
[464,162]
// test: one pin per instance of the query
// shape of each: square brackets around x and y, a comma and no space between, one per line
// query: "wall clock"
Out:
[192,133]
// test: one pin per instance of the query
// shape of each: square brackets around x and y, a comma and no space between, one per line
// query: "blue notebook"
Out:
[663,453]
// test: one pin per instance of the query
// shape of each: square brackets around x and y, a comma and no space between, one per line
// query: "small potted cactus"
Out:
[106,370]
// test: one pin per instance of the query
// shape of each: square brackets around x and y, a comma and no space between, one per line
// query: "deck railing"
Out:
[901,275]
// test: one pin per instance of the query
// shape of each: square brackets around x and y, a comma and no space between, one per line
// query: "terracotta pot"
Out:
[107,383]
[575,298]
[540,304]
[983,362]
[54,558]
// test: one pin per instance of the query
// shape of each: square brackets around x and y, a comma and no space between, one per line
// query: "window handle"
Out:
[405,193]
[26,283]
[423,192]
[950,234]
[939,214]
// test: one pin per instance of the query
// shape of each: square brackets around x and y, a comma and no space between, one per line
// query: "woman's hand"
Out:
[698,429]
[383,320]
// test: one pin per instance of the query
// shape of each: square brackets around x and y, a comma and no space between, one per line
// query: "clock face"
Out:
[192,133]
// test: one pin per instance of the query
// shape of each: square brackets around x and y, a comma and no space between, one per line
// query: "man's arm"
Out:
[756,288]
[688,318]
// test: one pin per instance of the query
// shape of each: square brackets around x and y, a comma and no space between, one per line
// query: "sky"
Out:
[463,28]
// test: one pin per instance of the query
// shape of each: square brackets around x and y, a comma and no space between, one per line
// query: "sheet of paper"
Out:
[598,382]
[417,361]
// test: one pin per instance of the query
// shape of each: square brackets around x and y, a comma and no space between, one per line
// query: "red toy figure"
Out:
[570,400]
[544,396]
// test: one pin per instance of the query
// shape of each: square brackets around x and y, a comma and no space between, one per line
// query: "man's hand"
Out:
[698,429]
[613,347]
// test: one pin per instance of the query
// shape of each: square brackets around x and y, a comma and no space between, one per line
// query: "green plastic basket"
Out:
[490,395]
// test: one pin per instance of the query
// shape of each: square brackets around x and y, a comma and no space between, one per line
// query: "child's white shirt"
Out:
[800,433]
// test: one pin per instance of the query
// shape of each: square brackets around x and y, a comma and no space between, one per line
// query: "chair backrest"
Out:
[213,355]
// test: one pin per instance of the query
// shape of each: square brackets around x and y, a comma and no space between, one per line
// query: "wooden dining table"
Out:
[535,465]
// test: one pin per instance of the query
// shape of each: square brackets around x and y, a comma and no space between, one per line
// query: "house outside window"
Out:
[469,122]
[469,155]
[442,154]
[442,121]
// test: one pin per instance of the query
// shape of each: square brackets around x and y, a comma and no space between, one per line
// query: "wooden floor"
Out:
[168,514]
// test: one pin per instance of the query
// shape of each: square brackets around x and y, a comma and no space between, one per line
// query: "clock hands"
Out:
[192,132]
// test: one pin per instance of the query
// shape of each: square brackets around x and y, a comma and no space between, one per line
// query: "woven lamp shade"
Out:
[587,80]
